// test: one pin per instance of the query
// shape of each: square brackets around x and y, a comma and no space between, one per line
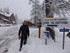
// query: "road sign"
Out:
[64,30]
[47,33]
[60,22]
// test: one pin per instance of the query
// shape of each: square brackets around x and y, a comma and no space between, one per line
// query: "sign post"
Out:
[46,34]
[63,39]
[39,27]
[63,30]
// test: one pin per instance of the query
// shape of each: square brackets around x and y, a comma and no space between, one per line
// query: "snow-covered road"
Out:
[7,37]
[9,41]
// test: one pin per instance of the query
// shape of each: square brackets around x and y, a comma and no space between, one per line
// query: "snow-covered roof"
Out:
[8,15]
[5,19]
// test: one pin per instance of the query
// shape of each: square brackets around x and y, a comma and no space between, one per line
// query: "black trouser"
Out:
[23,41]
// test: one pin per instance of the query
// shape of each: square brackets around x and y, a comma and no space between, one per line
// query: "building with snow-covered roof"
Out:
[7,18]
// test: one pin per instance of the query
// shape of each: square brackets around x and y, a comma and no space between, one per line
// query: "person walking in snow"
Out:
[23,34]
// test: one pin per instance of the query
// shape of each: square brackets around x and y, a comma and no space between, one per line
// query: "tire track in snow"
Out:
[7,38]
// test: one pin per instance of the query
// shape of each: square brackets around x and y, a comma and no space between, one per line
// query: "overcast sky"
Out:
[20,7]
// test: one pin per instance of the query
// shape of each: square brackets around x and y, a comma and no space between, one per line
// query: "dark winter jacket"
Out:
[24,31]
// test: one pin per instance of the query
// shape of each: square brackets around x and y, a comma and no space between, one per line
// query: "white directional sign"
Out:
[55,21]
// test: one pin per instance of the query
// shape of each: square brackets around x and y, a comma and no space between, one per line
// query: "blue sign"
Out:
[47,34]
[64,30]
